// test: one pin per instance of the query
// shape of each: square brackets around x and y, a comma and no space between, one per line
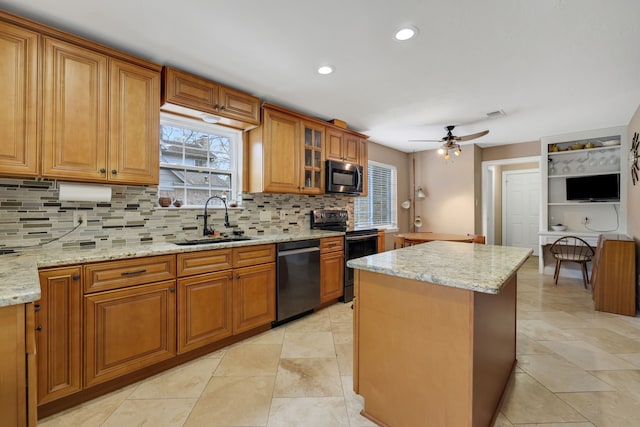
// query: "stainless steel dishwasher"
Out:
[298,279]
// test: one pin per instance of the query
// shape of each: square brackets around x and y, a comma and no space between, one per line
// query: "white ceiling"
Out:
[553,66]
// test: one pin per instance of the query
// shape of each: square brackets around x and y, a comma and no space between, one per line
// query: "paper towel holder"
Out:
[78,192]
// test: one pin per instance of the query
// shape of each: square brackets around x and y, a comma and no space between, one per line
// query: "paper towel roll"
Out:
[84,192]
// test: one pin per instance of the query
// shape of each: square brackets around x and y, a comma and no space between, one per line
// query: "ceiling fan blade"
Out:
[425,140]
[472,136]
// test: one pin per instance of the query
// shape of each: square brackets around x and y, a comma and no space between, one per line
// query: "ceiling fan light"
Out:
[458,151]
[441,151]
[446,156]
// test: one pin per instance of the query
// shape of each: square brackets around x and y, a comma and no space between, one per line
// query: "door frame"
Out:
[505,175]
[487,194]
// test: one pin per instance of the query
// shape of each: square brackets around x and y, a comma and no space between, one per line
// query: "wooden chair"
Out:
[477,238]
[398,242]
[572,249]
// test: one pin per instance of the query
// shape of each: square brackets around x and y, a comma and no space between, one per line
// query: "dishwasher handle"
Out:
[298,251]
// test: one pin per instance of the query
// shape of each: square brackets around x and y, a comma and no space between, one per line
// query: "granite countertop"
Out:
[471,266]
[19,282]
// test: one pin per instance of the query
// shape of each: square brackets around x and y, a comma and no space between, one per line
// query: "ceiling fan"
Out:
[451,142]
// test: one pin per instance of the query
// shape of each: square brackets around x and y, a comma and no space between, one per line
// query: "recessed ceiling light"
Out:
[325,69]
[406,33]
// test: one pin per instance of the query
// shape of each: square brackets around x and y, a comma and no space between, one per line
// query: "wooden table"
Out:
[421,237]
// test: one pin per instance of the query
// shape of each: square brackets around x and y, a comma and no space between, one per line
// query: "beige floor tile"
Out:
[345,358]
[586,356]
[560,319]
[308,344]
[502,421]
[308,377]
[606,409]
[250,360]
[633,358]
[558,375]
[316,322]
[539,329]
[273,336]
[585,424]
[233,401]
[308,412]
[342,332]
[341,312]
[624,381]
[151,413]
[355,404]
[527,401]
[622,325]
[92,413]
[183,381]
[606,340]
[526,345]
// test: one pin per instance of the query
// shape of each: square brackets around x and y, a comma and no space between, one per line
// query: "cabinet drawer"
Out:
[331,244]
[119,274]
[252,255]
[203,262]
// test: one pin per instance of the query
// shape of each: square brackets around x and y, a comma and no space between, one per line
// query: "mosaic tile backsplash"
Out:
[31,214]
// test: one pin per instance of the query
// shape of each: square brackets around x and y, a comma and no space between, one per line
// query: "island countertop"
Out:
[19,281]
[471,266]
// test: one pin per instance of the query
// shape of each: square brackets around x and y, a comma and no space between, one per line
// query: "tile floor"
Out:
[576,368]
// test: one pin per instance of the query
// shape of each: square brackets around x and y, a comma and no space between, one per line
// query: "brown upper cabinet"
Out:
[342,146]
[19,50]
[287,152]
[98,115]
[189,95]
[101,117]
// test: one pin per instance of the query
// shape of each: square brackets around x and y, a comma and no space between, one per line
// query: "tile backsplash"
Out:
[31,214]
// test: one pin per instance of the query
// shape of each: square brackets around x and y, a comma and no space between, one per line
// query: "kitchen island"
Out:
[435,332]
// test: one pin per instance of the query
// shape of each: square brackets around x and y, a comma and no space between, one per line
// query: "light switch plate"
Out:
[265,216]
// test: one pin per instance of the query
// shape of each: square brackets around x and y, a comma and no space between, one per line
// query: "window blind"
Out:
[379,208]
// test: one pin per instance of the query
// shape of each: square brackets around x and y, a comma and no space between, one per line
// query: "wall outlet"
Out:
[79,218]
[265,216]
[283,215]
[585,220]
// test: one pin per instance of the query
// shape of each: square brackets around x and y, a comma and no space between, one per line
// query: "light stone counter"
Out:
[471,266]
[19,281]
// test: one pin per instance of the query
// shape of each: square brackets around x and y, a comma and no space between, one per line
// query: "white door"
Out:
[521,208]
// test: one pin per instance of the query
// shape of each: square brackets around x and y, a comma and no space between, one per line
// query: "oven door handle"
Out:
[367,237]
[359,174]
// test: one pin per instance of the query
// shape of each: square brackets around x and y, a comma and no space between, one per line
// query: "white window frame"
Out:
[393,203]
[236,150]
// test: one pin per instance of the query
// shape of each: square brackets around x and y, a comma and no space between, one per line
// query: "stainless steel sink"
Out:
[211,240]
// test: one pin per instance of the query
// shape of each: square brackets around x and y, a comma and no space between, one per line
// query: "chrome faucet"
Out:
[206,231]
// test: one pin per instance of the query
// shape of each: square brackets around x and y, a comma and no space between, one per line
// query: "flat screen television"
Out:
[594,188]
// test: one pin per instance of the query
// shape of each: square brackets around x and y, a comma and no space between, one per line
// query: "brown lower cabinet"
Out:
[101,323]
[331,268]
[128,329]
[59,333]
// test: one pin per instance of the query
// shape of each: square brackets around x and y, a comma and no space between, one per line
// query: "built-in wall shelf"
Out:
[597,152]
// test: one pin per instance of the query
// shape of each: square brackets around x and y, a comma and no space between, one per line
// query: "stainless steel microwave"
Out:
[341,177]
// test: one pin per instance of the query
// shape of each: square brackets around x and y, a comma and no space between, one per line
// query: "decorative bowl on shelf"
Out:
[558,227]
[577,146]
[611,142]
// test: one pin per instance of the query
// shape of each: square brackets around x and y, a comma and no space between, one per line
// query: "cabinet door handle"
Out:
[216,106]
[172,290]
[75,277]
[238,276]
[103,170]
[39,328]
[231,277]
[129,273]
[222,107]
[113,171]
[37,307]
